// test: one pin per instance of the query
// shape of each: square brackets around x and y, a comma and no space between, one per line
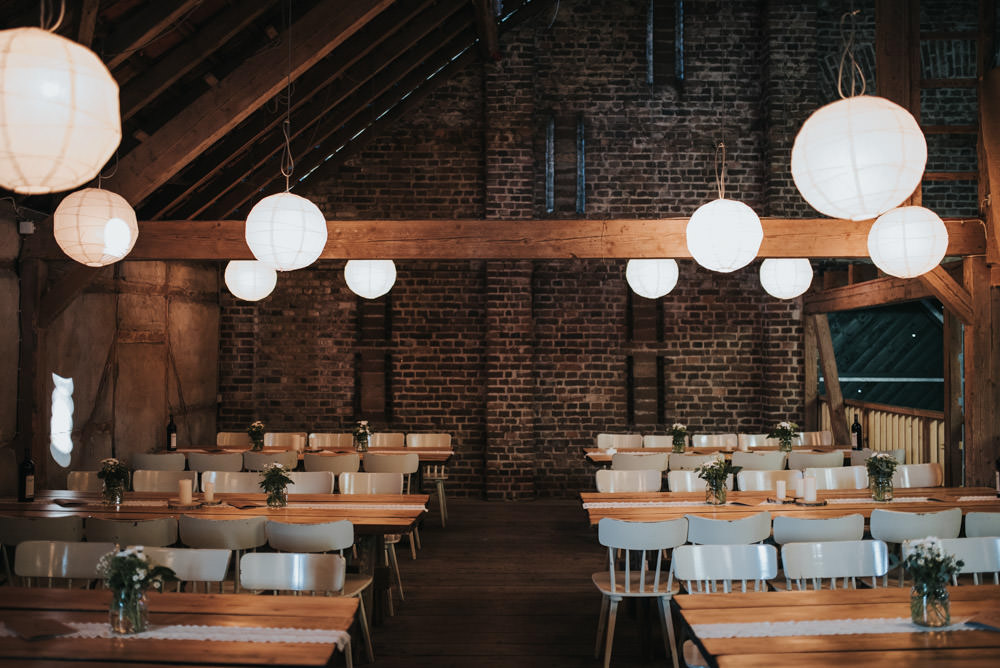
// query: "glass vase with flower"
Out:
[679,433]
[256,433]
[931,569]
[784,432]
[128,574]
[115,476]
[274,480]
[881,466]
[362,436]
[715,474]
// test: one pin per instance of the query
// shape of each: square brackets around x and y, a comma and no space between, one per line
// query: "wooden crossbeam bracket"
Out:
[954,297]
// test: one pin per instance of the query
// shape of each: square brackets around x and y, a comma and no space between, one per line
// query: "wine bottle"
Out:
[856,441]
[171,434]
[26,479]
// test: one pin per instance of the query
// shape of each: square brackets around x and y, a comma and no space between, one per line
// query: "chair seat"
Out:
[602,580]
[393,538]
[354,584]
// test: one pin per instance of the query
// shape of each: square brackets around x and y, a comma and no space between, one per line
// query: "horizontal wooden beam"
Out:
[509,239]
[867,294]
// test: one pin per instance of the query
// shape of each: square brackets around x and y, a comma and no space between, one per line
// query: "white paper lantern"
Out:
[724,235]
[858,157]
[286,232]
[786,278]
[250,280]
[908,241]
[95,227]
[651,278]
[370,278]
[59,114]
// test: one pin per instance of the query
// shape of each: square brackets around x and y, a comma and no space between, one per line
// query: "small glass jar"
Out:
[277,499]
[678,443]
[256,443]
[715,496]
[881,488]
[128,613]
[113,493]
[362,442]
[930,605]
[785,445]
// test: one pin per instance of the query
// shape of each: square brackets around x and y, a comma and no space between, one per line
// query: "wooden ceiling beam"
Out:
[139,30]
[88,22]
[523,239]
[989,120]
[881,291]
[246,89]
[169,69]
[954,297]
[486,27]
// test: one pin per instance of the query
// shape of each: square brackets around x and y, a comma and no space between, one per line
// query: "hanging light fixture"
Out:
[651,278]
[95,227]
[59,114]
[370,278]
[860,156]
[907,241]
[250,280]
[785,278]
[286,231]
[724,235]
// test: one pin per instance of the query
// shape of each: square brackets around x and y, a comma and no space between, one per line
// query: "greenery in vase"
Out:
[716,472]
[128,574]
[929,565]
[679,432]
[784,432]
[881,465]
[256,431]
[113,473]
[274,479]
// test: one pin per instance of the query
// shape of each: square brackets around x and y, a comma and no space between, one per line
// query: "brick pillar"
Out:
[509,178]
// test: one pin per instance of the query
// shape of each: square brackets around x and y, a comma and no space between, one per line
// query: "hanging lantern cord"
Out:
[287,162]
[720,168]
[101,176]
[847,56]
[44,18]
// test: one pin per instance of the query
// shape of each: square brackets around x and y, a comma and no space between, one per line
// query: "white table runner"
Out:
[356,506]
[825,627]
[650,504]
[868,499]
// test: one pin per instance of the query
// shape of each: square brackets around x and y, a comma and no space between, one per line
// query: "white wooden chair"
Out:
[803,530]
[722,441]
[918,475]
[256,461]
[16,530]
[808,460]
[339,441]
[746,530]
[192,565]
[643,544]
[846,560]
[159,461]
[628,481]
[898,527]
[703,567]
[284,571]
[977,524]
[435,473]
[236,535]
[388,439]
[763,481]
[632,461]
[859,457]
[840,477]
[688,481]
[679,461]
[310,482]
[980,555]
[760,461]
[605,441]
[155,532]
[814,438]
[290,440]
[335,464]
[750,441]
[162,481]
[57,559]
[84,481]
[233,482]
[232,439]
[215,461]
[657,441]
[407,464]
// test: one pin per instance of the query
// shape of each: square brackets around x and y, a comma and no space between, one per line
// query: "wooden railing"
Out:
[884,427]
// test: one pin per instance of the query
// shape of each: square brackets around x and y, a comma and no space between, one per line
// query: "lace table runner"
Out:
[977,498]
[355,506]
[646,504]
[826,627]
[868,499]
[214,633]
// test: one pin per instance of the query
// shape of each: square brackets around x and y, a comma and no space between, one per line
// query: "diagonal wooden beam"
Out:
[146,25]
[954,297]
[169,69]
[486,26]
[88,22]
[246,89]
[831,378]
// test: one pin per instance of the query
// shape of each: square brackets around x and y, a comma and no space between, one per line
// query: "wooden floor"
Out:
[505,585]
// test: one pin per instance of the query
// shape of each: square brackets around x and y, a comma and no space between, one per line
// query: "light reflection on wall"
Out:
[61,425]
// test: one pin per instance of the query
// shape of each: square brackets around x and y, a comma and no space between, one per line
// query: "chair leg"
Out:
[442,505]
[348,655]
[366,632]
[413,544]
[416,534]
[388,592]
[612,618]
[668,629]
[236,572]
[395,569]
[600,626]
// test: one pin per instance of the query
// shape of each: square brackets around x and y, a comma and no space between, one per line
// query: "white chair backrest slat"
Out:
[370,483]
[846,560]
[343,440]
[59,559]
[14,530]
[632,461]
[706,531]
[388,439]
[688,481]
[702,566]
[215,461]
[628,481]
[232,439]
[918,475]
[159,461]
[806,460]
[84,481]
[233,482]
[760,461]
[839,477]
[763,481]
[256,461]
[162,481]
[803,530]
[724,441]
[238,534]
[978,524]
[287,571]
[979,555]
[156,532]
[605,441]
[291,440]
[895,527]
[324,537]
[679,461]
[311,482]
[657,441]
[744,441]
[429,440]
[192,564]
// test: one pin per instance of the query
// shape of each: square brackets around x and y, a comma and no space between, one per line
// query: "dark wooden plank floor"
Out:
[505,585]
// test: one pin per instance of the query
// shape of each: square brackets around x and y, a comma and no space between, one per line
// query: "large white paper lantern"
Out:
[286,232]
[786,278]
[95,227]
[858,157]
[370,278]
[724,235]
[59,114]
[250,280]
[907,241]
[651,278]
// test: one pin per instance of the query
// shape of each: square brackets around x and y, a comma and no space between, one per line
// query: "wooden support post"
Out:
[28,362]
[897,58]
[811,362]
[953,419]
[838,416]
[981,396]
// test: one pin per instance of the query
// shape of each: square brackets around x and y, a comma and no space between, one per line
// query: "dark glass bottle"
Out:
[171,434]
[26,479]
[856,441]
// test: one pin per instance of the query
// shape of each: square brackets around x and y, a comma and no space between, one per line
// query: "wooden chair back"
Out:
[628,481]
[707,531]
[643,543]
[840,477]
[54,559]
[215,461]
[335,464]
[342,440]
[688,481]
[632,461]
[977,524]
[325,537]
[371,483]
[703,567]
[256,461]
[161,481]
[808,564]
[802,530]
[84,481]
[918,475]
[723,441]
[807,460]
[763,481]
[233,482]
[605,441]
[433,440]
[159,461]
[232,439]
[311,482]
[291,440]
[388,439]
[813,438]
[287,571]
[760,461]
[157,532]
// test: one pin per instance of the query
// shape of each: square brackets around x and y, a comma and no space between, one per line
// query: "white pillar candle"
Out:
[779,489]
[209,491]
[810,488]
[184,491]
[799,488]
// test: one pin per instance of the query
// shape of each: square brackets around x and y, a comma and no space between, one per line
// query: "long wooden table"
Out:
[601,456]
[219,610]
[968,648]
[640,506]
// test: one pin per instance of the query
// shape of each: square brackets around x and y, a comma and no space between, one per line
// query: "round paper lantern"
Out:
[95,227]
[250,280]
[724,235]
[907,241]
[370,278]
[651,278]
[286,232]
[858,157]
[786,278]
[59,114]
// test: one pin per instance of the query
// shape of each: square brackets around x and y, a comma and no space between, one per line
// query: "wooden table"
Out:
[742,504]
[601,456]
[427,455]
[965,648]
[223,610]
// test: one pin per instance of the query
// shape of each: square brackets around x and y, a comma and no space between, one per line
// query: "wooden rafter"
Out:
[245,90]
[865,294]
[88,22]
[486,27]
[954,297]
[146,25]
[831,378]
